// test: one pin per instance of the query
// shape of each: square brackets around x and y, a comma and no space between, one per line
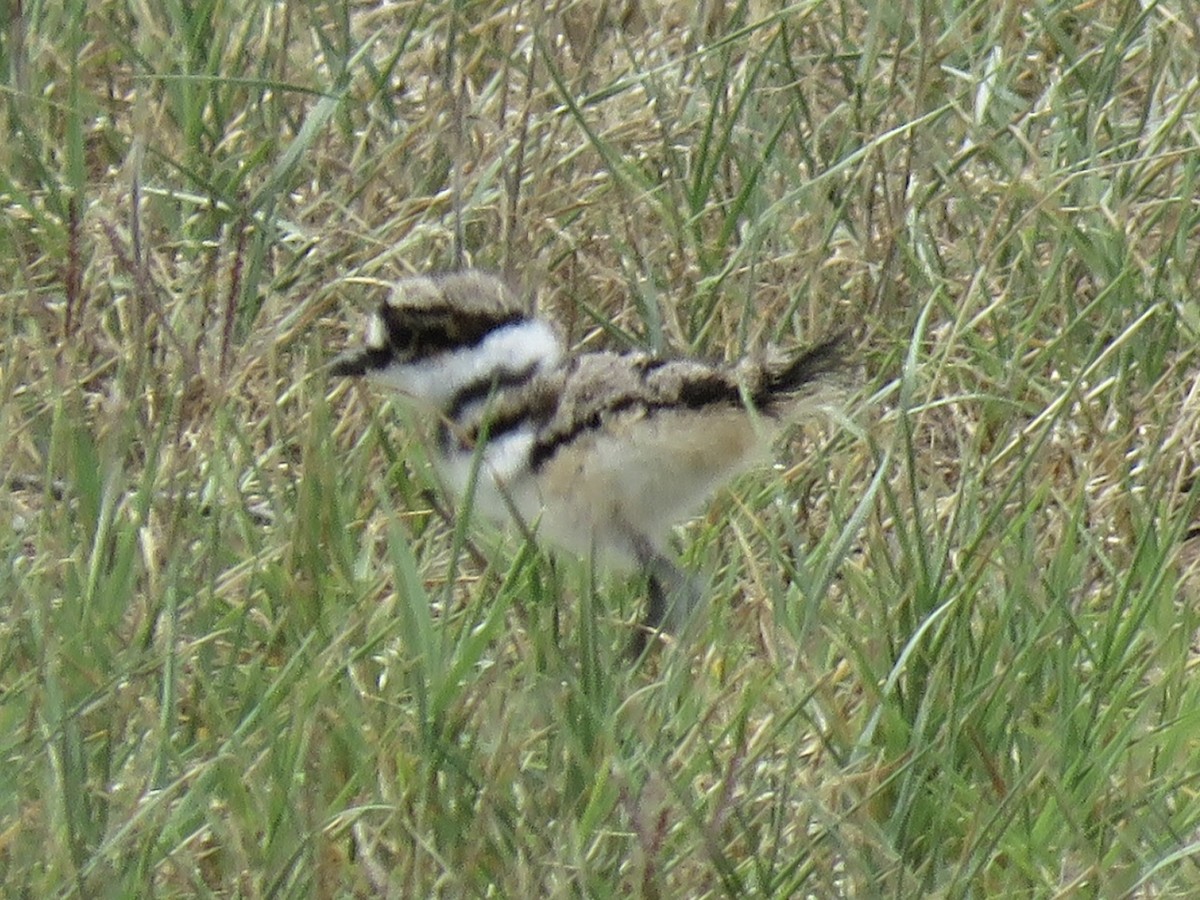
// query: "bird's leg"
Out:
[673,596]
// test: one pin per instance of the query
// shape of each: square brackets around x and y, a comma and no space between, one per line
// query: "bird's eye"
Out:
[397,332]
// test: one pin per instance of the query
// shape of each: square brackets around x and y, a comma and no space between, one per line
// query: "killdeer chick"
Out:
[599,453]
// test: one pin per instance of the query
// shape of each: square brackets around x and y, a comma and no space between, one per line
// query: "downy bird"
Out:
[599,453]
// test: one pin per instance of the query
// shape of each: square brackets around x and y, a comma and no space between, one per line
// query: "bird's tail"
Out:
[818,372]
